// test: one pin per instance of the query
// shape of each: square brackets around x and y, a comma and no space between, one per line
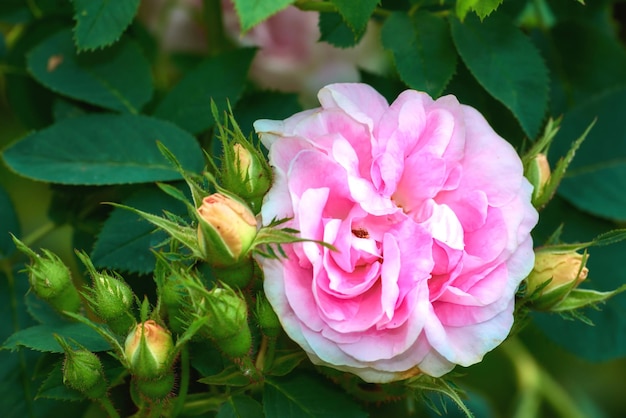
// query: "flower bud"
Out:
[267,318]
[555,274]
[148,350]
[83,371]
[50,279]
[254,175]
[112,299]
[538,174]
[172,295]
[228,325]
[226,230]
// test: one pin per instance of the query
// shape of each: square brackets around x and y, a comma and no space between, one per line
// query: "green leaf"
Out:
[53,387]
[230,376]
[252,12]
[422,49]
[285,361]
[240,406]
[126,240]
[596,178]
[335,31]
[506,64]
[10,223]
[483,8]
[104,149]
[217,79]
[101,22]
[301,396]
[356,14]
[118,78]
[584,60]
[40,338]
[581,298]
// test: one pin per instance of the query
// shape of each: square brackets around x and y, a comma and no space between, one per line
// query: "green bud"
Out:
[148,350]
[538,174]
[252,177]
[50,279]
[110,298]
[228,325]
[226,230]
[554,276]
[267,318]
[172,294]
[83,371]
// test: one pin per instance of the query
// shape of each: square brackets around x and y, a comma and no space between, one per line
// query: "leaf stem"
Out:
[535,382]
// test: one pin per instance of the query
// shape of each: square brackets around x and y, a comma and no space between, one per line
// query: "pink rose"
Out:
[430,215]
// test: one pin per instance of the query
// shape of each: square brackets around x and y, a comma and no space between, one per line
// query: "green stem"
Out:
[216,39]
[39,233]
[184,382]
[34,9]
[260,358]
[108,407]
[535,382]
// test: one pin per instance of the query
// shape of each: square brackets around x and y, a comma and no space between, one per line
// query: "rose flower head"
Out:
[430,215]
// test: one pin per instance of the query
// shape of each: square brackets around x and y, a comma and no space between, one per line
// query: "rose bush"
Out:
[430,216]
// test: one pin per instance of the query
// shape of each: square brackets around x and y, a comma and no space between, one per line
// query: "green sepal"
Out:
[581,298]
[184,234]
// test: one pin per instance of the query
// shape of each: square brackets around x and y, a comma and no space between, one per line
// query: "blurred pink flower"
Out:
[289,59]
[431,216]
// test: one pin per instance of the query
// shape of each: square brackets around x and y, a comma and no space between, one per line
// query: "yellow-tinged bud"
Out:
[254,175]
[554,276]
[226,230]
[538,173]
[148,350]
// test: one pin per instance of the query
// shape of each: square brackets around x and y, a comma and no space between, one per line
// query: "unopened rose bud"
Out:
[228,325]
[83,371]
[253,175]
[110,298]
[50,279]
[148,350]
[538,173]
[554,276]
[226,230]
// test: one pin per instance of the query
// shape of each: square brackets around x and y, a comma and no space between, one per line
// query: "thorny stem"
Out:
[534,383]
[184,381]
